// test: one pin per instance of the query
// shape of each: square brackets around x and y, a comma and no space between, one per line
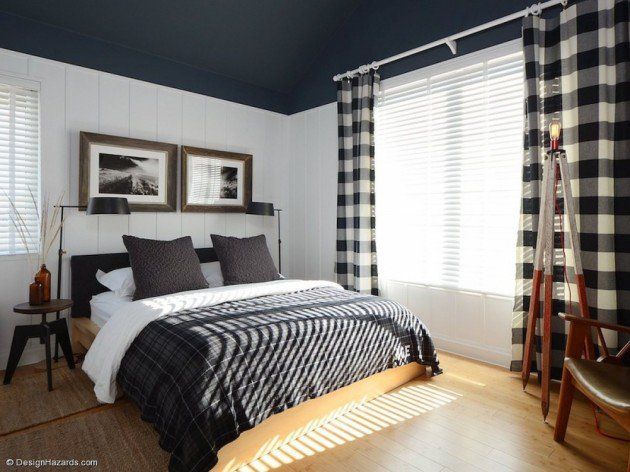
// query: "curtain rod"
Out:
[450,41]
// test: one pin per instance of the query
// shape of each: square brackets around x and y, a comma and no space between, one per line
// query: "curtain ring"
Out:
[564,3]
[535,9]
[374,65]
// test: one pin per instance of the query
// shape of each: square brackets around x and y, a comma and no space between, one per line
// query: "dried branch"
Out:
[48,227]
[53,227]
[19,217]
[20,230]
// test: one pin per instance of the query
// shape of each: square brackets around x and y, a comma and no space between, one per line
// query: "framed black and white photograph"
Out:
[215,181]
[142,171]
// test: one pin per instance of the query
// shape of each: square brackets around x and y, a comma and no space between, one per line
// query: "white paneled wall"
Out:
[75,99]
[313,151]
[471,324]
[295,166]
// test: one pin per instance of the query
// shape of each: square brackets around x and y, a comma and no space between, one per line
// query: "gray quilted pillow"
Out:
[244,260]
[163,267]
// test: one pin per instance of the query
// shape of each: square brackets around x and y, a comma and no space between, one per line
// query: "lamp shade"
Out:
[260,208]
[108,206]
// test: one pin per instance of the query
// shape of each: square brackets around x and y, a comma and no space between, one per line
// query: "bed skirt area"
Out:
[283,427]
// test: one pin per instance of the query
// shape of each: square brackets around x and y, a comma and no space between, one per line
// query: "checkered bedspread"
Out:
[205,375]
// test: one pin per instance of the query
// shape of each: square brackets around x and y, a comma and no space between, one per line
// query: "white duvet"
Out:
[103,359]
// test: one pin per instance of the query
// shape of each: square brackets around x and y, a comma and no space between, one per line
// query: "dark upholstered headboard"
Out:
[83,274]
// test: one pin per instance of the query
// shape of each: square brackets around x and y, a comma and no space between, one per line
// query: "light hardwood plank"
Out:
[473,417]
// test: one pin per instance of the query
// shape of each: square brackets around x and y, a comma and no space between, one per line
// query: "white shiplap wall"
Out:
[313,151]
[295,166]
[75,99]
[471,324]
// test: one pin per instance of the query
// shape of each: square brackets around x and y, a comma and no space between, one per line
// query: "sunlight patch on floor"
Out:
[380,413]
[467,380]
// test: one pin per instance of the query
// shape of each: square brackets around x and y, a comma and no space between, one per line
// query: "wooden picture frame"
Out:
[144,172]
[226,185]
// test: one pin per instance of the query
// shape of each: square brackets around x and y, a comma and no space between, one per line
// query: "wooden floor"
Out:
[473,417]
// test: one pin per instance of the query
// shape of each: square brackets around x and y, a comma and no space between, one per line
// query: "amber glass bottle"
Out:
[35,293]
[43,277]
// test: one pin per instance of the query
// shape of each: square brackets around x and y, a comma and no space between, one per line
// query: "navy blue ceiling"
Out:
[260,46]
[274,54]
[382,28]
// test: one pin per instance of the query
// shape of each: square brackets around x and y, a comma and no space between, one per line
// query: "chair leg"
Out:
[564,406]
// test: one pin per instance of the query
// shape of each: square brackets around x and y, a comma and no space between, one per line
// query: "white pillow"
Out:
[212,273]
[119,281]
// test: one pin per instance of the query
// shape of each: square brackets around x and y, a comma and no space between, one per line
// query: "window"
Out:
[19,162]
[448,173]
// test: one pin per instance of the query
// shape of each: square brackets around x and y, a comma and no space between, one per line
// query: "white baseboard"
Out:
[475,351]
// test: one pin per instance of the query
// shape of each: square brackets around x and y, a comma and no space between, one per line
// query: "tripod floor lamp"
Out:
[267,209]
[555,172]
[95,206]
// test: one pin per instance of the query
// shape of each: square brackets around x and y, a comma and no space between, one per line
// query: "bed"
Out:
[226,374]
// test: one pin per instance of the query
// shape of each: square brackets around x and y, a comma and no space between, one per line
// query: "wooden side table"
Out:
[42,332]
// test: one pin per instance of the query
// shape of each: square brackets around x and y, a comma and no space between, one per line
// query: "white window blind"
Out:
[19,164]
[448,172]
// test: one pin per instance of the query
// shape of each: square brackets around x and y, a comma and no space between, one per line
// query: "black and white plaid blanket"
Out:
[203,376]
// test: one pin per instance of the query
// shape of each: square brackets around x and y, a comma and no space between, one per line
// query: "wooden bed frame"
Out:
[283,427]
[83,332]
[276,430]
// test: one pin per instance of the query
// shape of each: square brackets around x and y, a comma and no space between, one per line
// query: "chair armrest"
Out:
[595,323]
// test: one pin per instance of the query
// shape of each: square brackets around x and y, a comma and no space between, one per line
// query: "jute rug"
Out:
[113,436]
[69,424]
[26,401]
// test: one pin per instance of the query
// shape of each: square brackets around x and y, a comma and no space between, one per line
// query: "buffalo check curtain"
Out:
[356,245]
[577,68]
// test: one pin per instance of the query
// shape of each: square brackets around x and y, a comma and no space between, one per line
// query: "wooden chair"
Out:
[605,382]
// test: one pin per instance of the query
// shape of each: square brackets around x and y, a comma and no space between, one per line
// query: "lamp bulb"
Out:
[554,129]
